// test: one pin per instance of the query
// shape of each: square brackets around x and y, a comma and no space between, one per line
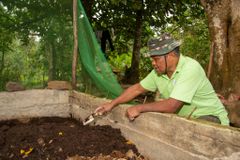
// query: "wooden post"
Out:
[75,50]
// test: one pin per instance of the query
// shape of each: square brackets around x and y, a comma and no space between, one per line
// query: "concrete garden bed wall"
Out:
[157,136]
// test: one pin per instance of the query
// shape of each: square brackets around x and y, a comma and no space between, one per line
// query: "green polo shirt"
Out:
[190,85]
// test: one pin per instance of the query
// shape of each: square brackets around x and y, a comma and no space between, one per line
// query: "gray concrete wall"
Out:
[157,136]
[166,136]
[34,103]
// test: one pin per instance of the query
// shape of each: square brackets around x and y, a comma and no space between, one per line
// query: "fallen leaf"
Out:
[129,142]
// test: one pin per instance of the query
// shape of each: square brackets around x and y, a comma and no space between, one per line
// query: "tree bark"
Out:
[224,21]
[75,50]
[52,61]
[1,70]
[133,76]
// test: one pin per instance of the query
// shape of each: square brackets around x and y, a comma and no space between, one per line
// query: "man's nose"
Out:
[153,63]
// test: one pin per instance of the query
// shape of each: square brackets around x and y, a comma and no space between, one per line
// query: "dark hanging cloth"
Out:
[103,37]
[106,36]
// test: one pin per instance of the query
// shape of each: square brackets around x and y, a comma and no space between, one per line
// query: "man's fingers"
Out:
[99,111]
[131,118]
[128,116]
[104,108]
[96,110]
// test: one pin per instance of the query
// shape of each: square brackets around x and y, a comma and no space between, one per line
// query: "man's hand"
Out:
[126,96]
[132,112]
[104,108]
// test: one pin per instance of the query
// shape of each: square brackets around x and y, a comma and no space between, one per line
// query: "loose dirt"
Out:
[62,138]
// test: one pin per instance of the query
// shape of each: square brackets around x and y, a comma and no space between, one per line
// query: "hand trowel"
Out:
[90,118]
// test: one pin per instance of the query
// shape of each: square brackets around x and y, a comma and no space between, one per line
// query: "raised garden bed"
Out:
[62,138]
[157,136]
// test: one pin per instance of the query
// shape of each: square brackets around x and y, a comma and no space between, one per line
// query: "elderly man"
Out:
[182,84]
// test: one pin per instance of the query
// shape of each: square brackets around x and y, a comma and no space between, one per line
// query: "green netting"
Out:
[93,63]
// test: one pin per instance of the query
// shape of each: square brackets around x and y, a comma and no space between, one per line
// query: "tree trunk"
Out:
[75,50]
[133,76]
[1,71]
[52,61]
[224,21]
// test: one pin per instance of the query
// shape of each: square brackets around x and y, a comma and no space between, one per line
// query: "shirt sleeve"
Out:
[186,86]
[148,82]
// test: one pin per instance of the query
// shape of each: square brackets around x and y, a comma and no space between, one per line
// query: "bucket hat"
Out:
[162,45]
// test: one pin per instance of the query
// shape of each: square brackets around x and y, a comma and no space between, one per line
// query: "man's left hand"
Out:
[132,112]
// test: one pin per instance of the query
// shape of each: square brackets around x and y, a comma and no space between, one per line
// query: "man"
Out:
[182,84]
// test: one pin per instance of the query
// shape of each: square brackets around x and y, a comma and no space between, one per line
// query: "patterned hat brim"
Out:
[164,50]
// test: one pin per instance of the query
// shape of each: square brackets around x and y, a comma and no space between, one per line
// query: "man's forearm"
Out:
[165,106]
[129,94]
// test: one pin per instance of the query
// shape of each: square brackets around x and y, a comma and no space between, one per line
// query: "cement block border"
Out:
[157,136]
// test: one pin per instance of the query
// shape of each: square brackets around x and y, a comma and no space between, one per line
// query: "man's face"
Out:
[159,64]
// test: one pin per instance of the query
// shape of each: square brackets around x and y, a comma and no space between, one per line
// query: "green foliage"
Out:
[120,62]
[6,35]
[27,60]
[195,37]
[35,62]
[145,63]
[177,17]
[23,64]
[197,47]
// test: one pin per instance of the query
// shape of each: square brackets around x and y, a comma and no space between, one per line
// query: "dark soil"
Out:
[58,138]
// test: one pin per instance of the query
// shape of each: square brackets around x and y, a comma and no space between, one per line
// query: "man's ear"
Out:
[172,53]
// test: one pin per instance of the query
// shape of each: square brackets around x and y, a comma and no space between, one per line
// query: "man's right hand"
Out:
[126,96]
[104,108]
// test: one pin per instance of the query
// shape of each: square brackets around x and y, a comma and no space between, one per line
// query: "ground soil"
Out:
[60,138]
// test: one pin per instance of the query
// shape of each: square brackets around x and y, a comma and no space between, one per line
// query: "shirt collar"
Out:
[180,64]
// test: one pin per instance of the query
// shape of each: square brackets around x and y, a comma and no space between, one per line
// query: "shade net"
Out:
[96,76]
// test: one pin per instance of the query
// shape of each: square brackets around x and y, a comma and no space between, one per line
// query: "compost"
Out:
[53,138]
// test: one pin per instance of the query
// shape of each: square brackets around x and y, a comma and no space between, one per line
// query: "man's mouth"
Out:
[157,69]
